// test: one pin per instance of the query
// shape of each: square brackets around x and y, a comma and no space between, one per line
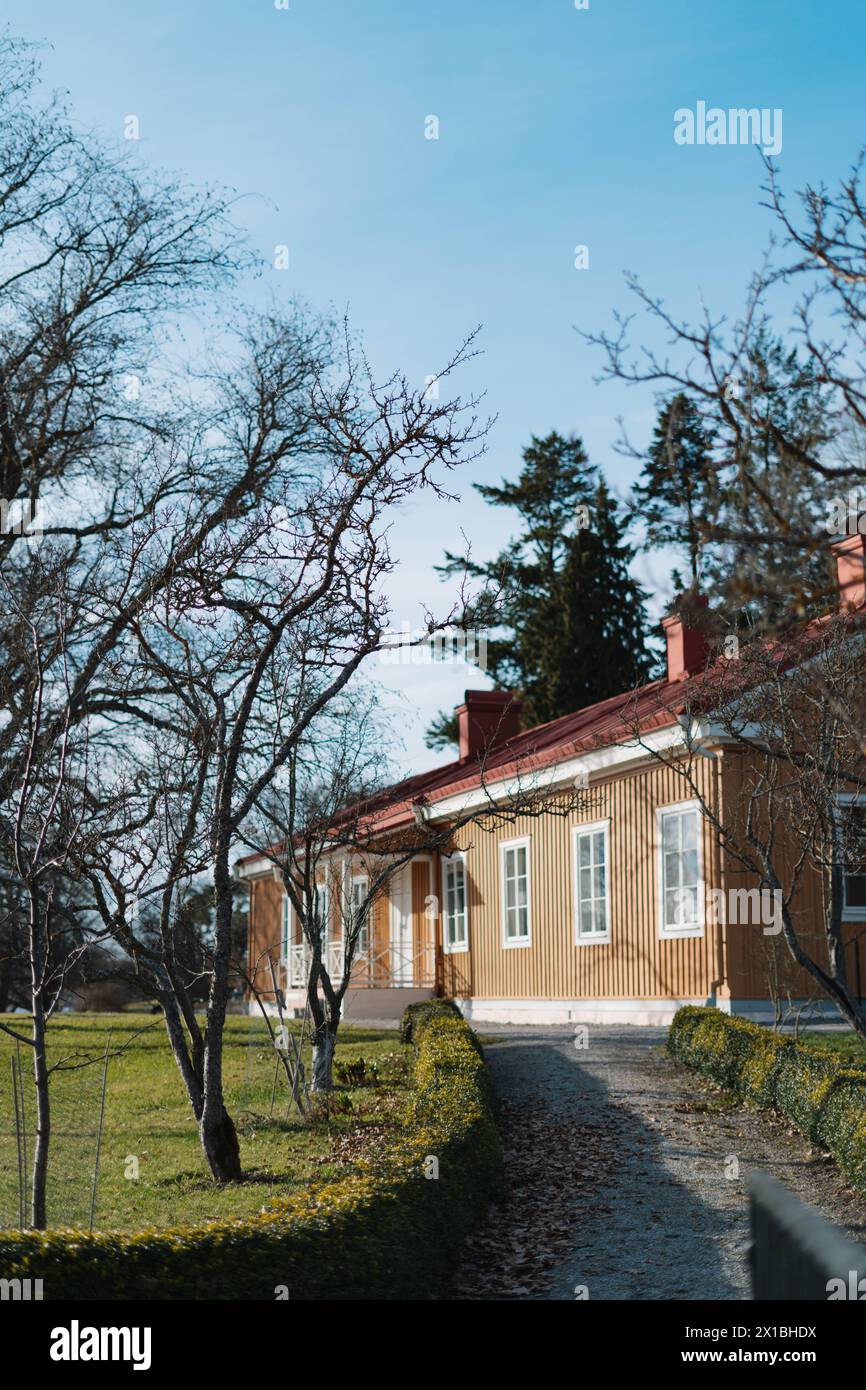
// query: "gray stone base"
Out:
[762,1010]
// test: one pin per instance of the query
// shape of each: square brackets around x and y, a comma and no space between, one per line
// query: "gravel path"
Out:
[618,1159]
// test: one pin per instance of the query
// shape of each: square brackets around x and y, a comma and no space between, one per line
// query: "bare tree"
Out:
[782,717]
[788,439]
[97,257]
[273,610]
[45,826]
[790,708]
[321,826]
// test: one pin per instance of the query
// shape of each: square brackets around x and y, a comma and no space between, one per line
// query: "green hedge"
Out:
[387,1231]
[824,1097]
[417,1016]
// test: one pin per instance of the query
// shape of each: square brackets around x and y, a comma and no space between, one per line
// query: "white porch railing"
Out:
[391,967]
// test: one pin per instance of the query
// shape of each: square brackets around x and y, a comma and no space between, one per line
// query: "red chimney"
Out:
[687,636]
[487,718]
[850,553]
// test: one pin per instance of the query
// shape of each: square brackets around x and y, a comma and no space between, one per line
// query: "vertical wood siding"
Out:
[760,965]
[265,928]
[636,963]
[736,961]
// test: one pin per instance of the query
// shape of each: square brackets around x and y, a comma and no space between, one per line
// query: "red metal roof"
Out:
[596,726]
[611,721]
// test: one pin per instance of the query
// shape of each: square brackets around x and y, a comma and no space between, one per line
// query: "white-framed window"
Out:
[286,936]
[357,904]
[853,810]
[681,887]
[515,892]
[455,915]
[591,883]
[322,906]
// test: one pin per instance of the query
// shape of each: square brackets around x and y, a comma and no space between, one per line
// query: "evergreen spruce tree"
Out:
[571,623]
[676,495]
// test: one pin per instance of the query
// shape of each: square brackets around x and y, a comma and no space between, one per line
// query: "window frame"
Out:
[591,828]
[515,943]
[851,913]
[458,856]
[287,922]
[324,896]
[362,942]
[694,929]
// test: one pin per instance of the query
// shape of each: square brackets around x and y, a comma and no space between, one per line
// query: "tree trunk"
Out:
[43,1121]
[40,1065]
[185,1052]
[835,986]
[835,983]
[217,1132]
[219,1140]
[324,1044]
[849,1009]
[5,982]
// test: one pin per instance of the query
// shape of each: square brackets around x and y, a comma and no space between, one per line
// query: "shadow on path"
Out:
[636,1224]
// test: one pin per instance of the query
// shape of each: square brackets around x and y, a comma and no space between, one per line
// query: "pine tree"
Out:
[677,488]
[571,623]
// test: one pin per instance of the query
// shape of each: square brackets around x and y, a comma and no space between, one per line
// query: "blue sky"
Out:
[555,128]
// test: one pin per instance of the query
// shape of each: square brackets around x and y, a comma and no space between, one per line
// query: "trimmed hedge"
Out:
[387,1231]
[417,1016]
[824,1097]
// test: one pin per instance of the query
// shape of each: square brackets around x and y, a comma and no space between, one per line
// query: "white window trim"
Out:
[287,923]
[851,914]
[324,898]
[679,933]
[353,879]
[462,947]
[515,943]
[591,828]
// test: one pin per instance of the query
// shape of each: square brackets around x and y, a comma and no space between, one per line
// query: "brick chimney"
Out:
[687,636]
[486,719]
[850,556]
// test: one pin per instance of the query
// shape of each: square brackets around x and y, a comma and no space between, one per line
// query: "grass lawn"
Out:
[846,1045]
[148,1119]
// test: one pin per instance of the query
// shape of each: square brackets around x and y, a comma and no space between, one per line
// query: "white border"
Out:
[458,854]
[515,942]
[591,828]
[679,933]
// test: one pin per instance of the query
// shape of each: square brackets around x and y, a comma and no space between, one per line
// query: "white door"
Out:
[401,963]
